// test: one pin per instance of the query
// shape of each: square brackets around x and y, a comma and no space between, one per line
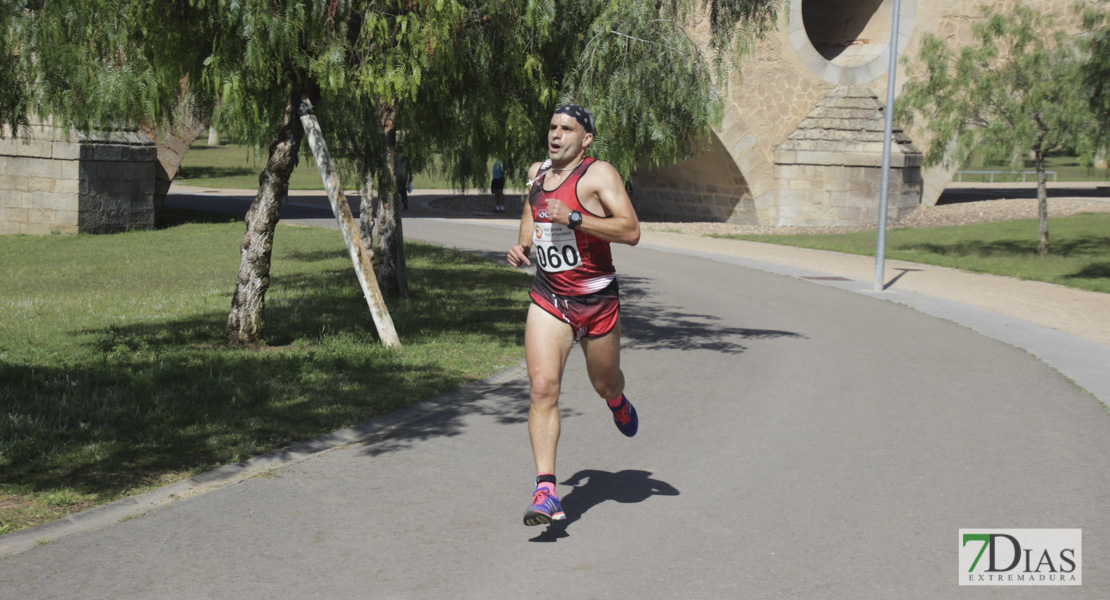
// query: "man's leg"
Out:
[603,364]
[547,342]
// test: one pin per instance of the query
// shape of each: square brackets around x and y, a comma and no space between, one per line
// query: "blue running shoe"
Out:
[625,417]
[545,508]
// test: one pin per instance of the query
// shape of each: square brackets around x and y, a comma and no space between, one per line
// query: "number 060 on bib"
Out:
[556,247]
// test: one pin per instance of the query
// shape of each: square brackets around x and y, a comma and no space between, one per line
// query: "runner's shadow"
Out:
[626,487]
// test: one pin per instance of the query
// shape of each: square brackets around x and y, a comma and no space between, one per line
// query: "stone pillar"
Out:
[38,182]
[63,182]
[829,170]
[117,173]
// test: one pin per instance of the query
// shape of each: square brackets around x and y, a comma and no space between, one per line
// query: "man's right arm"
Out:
[518,254]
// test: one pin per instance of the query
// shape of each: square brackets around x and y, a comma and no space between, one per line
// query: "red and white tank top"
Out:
[570,263]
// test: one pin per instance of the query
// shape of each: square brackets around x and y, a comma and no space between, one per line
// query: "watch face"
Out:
[575,219]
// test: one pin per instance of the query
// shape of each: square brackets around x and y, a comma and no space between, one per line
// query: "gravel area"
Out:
[963,213]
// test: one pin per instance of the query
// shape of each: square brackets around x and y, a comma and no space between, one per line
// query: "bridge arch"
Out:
[847,42]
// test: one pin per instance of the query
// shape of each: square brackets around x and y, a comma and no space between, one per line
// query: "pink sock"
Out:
[615,403]
[550,486]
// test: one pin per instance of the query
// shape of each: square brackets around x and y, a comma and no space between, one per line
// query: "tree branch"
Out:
[641,40]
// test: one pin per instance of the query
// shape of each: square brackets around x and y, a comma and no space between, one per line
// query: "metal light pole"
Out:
[888,129]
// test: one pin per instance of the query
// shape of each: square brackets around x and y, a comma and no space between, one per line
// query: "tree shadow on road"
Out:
[648,325]
[506,404]
[626,487]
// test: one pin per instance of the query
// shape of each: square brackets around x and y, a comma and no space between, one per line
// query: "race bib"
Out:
[556,247]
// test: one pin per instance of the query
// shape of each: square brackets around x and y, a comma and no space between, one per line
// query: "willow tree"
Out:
[267,56]
[14,68]
[104,64]
[119,63]
[488,90]
[467,81]
[1015,90]
[488,94]
[1096,69]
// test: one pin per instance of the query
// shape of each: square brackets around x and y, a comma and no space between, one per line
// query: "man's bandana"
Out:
[584,117]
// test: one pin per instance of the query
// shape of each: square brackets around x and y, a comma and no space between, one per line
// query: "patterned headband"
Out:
[583,115]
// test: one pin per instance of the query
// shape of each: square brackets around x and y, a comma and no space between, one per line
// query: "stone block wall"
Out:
[39,181]
[844,195]
[63,182]
[710,186]
[700,202]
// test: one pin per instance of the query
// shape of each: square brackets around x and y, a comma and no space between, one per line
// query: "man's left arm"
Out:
[621,226]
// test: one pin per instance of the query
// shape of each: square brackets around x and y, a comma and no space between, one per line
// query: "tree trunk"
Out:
[213,136]
[367,205]
[246,322]
[173,141]
[389,259]
[1042,203]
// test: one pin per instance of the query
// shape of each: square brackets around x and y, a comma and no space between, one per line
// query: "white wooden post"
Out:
[360,255]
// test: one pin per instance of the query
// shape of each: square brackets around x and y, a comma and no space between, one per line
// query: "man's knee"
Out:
[609,391]
[545,390]
[609,385]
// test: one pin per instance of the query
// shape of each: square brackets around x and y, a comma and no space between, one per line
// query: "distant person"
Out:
[403,185]
[497,186]
[576,206]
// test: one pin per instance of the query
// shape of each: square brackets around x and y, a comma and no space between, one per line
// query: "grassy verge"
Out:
[1067,168]
[233,166]
[1079,254]
[117,377]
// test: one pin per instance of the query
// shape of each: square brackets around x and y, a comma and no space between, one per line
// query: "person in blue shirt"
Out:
[497,186]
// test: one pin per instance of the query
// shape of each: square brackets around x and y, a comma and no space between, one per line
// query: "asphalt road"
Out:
[796,441]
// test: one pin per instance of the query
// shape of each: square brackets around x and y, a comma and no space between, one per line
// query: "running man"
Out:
[575,208]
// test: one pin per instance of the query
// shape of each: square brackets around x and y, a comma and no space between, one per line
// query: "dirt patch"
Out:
[13,503]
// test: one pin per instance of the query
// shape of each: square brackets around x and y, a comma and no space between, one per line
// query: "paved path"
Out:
[797,440]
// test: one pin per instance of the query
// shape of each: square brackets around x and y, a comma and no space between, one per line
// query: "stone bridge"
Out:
[802,137]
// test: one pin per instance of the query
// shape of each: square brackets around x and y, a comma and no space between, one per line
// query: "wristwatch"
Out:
[575,219]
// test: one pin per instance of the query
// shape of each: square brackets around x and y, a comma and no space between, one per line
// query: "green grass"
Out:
[1067,169]
[233,166]
[117,376]
[1079,248]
